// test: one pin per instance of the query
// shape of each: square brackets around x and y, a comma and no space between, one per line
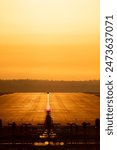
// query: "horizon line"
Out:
[48,80]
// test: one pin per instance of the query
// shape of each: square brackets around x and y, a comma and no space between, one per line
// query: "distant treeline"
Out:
[49,86]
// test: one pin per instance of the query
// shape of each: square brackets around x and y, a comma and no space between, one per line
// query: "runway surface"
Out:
[65,107]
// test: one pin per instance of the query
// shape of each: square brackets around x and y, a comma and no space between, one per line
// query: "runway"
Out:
[65,107]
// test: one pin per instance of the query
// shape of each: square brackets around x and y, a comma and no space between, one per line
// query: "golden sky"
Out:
[49,39]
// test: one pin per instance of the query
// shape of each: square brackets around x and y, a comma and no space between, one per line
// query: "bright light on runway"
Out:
[48,109]
[65,107]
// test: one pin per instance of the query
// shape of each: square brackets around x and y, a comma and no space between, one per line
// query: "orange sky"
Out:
[49,39]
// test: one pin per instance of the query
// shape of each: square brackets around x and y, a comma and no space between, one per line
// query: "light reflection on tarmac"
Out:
[65,107]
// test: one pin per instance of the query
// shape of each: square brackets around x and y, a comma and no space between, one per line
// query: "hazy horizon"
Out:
[50,80]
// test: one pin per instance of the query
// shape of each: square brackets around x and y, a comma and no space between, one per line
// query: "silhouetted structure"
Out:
[50,136]
[48,122]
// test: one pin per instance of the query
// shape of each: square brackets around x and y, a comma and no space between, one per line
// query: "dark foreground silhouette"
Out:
[50,136]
